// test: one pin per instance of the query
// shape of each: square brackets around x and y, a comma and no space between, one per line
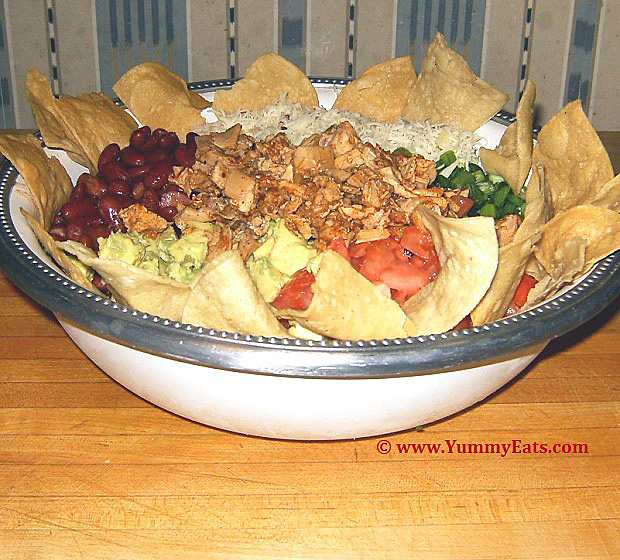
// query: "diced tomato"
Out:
[398,268]
[464,324]
[417,242]
[400,296]
[377,258]
[296,293]
[339,246]
[404,277]
[401,269]
[523,289]
[358,250]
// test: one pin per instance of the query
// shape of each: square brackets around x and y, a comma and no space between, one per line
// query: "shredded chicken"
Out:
[506,228]
[331,185]
[140,220]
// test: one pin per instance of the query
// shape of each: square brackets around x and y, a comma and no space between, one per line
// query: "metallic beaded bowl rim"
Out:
[490,343]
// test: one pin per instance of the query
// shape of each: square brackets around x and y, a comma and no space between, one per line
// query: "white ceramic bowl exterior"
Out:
[293,407]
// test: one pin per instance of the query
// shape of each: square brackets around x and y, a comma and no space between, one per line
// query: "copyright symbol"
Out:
[384,446]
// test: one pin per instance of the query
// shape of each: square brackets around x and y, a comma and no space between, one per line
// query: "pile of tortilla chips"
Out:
[571,219]
[160,99]
[82,125]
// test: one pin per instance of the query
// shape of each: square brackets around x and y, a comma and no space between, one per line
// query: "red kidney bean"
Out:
[58,220]
[83,177]
[184,155]
[137,190]
[113,171]
[157,177]
[109,208]
[138,173]
[132,157]
[149,144]
[158,133]
[168,212]
[109,155]
[139,137]
[78,192]
[150,200]
[95,232]
[173,195]
[125,201]
[76,228]
[156,156]
[86,241]
[78,209]
[190,140]
[119,187]
[100,285]
[58,232]
[93,220]
[168,142]
[95,186]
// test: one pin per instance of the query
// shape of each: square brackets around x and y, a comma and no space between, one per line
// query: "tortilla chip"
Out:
[133,286]
[575,161]
[381,92]
[44,107]
[609,195]
[598,228]
[449,92]
[46,178]
[268,78]
[468,253]
[160,99]
[347,306]
[514,257]
[571,244]
[224,297]
[82,126]
[512,159]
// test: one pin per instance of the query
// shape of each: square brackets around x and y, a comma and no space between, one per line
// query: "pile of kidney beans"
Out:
[136,174]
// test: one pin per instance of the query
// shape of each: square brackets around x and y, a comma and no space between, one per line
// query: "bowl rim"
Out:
[490,343]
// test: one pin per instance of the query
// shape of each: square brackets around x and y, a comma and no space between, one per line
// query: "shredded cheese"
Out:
[298,122]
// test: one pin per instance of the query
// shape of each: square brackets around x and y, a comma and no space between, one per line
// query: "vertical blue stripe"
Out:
[581,58]
[403,30]
[155,21]
[141,22]
[7,111]
[476,35]
[454,18]
[292,25]
[134,31]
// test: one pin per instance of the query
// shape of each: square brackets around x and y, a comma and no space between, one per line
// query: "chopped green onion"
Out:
[446,159]
[491,194]
[488,210]
[402,152]
[500,195]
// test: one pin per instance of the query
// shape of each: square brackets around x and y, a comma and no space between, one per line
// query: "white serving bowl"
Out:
[293,389]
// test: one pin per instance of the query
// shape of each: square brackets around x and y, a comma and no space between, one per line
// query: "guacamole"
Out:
[281,255]
[168,255]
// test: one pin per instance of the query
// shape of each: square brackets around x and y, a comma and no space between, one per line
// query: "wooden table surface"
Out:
[89,470]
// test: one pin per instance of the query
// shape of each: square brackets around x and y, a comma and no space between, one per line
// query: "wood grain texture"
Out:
[90,470]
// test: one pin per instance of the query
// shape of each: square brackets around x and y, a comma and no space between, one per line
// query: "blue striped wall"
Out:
[127,32]
[132,31]
[7,116]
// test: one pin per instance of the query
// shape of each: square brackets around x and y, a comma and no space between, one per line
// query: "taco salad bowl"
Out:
[285,388]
